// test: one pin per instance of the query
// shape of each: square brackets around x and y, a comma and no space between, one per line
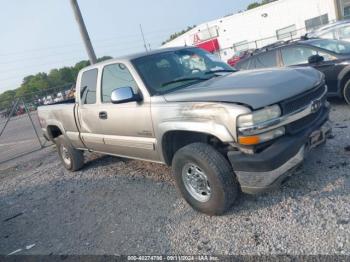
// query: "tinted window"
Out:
[267,59]
[296,55]
[88,87]
[344,32]
[300,55]
[243,65]
[328,35]
[115,76]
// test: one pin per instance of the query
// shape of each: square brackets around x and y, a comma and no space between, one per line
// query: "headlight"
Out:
[261,138]
[260,116]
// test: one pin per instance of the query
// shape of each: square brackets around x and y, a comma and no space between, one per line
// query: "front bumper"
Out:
[266,170]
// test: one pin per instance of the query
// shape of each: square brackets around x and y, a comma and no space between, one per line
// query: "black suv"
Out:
[331,57]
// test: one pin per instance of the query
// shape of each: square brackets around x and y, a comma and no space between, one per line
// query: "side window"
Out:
[344,32]
[300,55]
[252,63]
[115,76]
[328,35]
[244,64]
[296,55]
[326,56]
[267,59]
[88,87]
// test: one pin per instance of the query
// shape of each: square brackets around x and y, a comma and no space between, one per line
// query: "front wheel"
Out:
[346,92]
[71,158]
[205,178]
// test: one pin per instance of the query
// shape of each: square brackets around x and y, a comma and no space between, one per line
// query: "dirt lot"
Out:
[119,206]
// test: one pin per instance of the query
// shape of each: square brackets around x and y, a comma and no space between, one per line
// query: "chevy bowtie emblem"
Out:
[316,105]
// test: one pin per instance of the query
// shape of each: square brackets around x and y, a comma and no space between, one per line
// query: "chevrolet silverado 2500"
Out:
[221,131]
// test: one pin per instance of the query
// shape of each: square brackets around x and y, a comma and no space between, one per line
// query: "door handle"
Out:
[103,115]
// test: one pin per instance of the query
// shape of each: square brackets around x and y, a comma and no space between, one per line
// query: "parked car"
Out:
[239,56]
[218,129]
[48,100]
[59,97]
[331,57]
[338,31]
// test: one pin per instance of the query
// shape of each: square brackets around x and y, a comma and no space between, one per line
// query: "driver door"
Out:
[127,127]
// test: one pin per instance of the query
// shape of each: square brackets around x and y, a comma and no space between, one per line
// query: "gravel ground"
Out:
[119,206]
[19,136]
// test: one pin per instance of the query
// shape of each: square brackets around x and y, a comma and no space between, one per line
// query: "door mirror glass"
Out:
[124,95]
[314,59]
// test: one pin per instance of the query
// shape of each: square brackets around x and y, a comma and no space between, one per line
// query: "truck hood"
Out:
[255,88]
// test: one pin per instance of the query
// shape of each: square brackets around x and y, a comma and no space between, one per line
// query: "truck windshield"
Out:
[170,70]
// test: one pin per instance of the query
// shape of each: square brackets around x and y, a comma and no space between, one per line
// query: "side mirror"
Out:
[124,95]
[315,59]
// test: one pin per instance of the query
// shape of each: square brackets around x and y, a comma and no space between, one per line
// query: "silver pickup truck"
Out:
[222,131]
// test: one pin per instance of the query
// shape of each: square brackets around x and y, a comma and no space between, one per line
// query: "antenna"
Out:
[143,37]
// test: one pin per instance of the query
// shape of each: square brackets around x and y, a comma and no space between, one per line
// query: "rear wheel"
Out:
[205,178]
[346,92]
[71,158]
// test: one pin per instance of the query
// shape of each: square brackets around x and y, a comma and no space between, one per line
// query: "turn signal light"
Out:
[248,140]
[261,138]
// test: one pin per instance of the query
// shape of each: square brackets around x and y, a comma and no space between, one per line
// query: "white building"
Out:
[280,20]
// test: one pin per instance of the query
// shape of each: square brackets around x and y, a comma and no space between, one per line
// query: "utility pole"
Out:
[83,32]
[143,37]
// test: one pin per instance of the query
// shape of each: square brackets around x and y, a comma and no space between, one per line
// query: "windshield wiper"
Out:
[185,79]
[220,71]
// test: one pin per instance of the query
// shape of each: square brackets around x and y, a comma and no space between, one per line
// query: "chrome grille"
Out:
[293,104]
[307,121]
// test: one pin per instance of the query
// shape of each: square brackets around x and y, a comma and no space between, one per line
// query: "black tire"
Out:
[65,150]
[346,92]
[224,187]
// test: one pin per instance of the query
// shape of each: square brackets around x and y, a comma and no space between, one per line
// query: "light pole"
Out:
[83,32]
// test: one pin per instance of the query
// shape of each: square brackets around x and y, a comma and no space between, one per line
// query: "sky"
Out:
[38,35]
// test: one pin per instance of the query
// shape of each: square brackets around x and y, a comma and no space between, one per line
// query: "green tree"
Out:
[6,99]
[32,84]
[257,4]
[253,5]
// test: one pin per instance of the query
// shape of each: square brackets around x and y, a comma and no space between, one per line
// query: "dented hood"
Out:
[256,88]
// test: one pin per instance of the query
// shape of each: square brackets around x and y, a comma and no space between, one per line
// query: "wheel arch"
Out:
[173,140]
[54,130]
[343,78]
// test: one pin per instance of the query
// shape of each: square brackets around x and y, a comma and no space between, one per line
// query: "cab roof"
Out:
[138,55]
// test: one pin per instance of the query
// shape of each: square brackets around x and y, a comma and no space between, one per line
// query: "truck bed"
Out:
[60,114]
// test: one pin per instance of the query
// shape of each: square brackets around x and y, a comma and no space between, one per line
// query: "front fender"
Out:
[210,128]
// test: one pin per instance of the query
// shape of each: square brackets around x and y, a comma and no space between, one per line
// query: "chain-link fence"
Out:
[20,131]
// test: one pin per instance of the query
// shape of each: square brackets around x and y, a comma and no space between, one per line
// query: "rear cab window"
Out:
[88,86]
